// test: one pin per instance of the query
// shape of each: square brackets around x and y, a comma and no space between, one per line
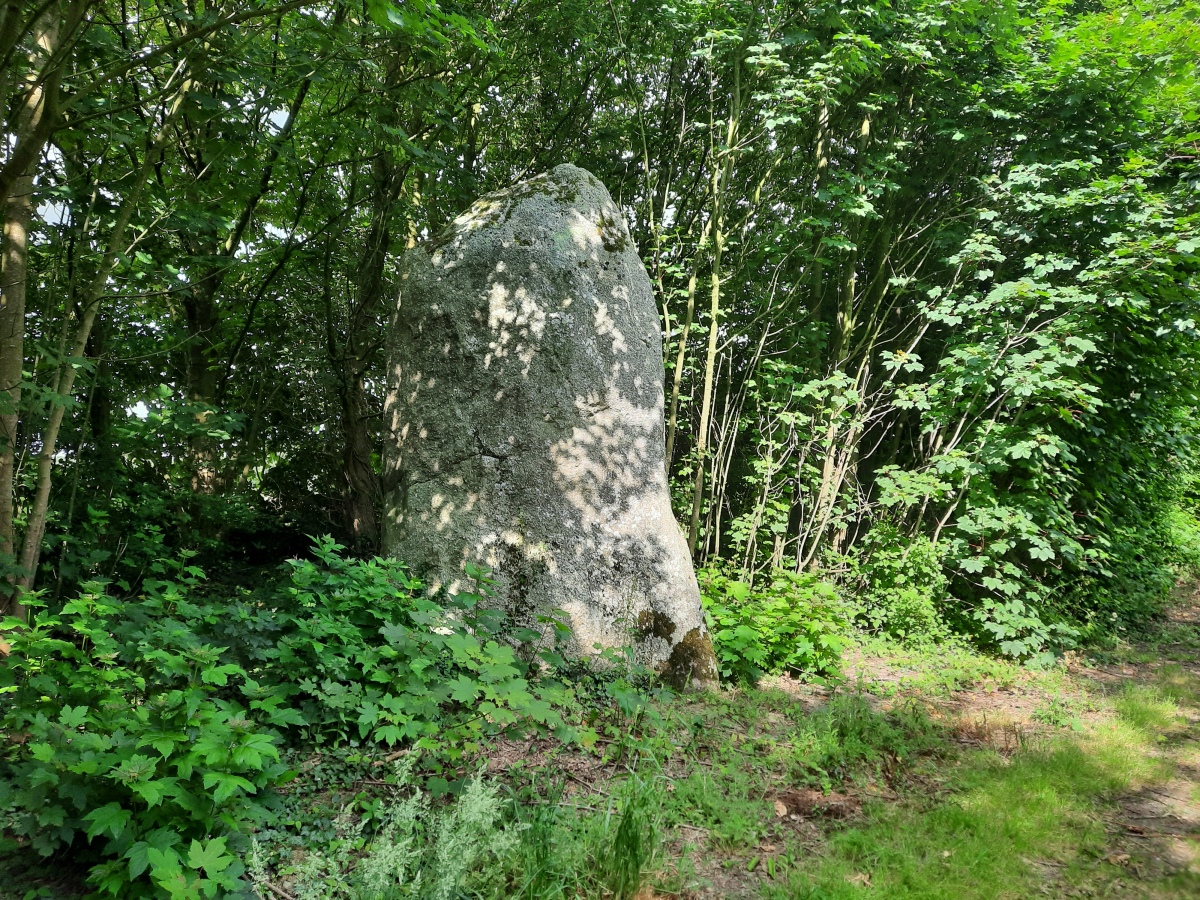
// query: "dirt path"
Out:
[1152,831]
[1093,767]
[1155,831]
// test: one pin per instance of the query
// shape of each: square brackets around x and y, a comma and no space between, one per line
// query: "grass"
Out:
[688,799]
[1014,827]
[1005,826]
[886,668]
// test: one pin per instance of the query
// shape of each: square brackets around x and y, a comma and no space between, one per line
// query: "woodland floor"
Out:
[1079,782]
[919,774]
[925,774]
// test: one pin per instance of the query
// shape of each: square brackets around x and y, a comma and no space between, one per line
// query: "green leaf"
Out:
[227,785]
[219,675]
[210,856]
[463,689]
[110,818]
[73,717]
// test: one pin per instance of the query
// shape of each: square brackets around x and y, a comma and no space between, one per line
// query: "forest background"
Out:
[926,270]
[929,277]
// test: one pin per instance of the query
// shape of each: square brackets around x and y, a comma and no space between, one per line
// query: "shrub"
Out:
[148,750]
[787,622]
[363,654]
[149,746]
[902,588]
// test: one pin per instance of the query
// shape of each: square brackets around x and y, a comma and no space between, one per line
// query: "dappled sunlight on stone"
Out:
[585,234]
[526,408]
[602,467]
[517,321]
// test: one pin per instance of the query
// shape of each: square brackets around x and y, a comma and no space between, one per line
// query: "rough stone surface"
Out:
[525,400]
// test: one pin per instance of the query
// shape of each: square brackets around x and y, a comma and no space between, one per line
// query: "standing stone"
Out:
[525,402]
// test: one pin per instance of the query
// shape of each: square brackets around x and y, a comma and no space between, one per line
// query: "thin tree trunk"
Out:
[702,436]
[36,525]
[14,266]
[721,175]
[361,481]
[681,353]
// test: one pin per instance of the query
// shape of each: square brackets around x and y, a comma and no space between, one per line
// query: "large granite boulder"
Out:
[525,404]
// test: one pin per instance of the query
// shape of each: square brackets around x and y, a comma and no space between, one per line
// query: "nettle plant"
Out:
[145,746]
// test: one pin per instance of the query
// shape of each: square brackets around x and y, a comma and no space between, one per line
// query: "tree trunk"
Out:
[17,215]
[200,307]
[39,99]
[681,356]
[360,482]
[36,526]
[722,171]
[710,362]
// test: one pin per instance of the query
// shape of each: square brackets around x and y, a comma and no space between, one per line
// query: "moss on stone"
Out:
[692,663]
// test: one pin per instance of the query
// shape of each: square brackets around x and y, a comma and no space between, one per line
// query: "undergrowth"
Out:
[323,735]
[145,731]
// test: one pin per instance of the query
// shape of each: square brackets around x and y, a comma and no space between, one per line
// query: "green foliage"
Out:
[1183,534]
[564,854]
[151,749]
[751,745]
[137,748]
[940,669]
[971,312]
[632,848]
[786,622]
[902,586]
[362,654]
[929,275]
[403,842]
[846,736]
[1147,555]
[415,850]
[1061,712]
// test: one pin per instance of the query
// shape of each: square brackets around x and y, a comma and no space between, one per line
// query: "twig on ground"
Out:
[278,891]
